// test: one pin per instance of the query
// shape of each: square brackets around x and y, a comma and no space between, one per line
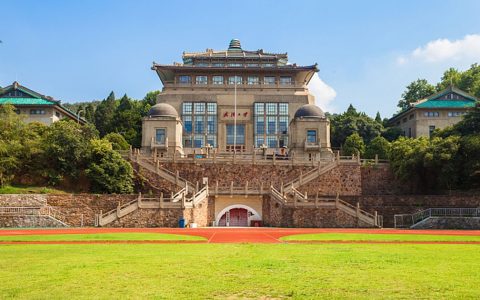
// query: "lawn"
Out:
[8,189]
[102,237]
[380,237]
[258,271]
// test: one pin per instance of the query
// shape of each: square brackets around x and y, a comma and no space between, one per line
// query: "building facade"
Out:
[35,107]
[236,100]
[438,111]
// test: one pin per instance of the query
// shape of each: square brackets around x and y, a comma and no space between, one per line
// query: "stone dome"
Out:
[162,110]
[309,111]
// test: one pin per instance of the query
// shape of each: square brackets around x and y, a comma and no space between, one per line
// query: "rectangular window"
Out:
[431,114]
[409,132]
[217,79]
[200,124]
[233,79]
[201,79]
[187,124]
[240,136]
[252,65]
[37,111]
[431,129]
[271,124]
[212,108]
[235,65]
[268,80]
[311,136]
[218,65]
[160,136]
[271,108]
[285,80]
[201,64]
[269,65]
[253,80]
[184,79]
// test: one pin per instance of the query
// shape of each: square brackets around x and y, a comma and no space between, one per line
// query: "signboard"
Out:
[243,114]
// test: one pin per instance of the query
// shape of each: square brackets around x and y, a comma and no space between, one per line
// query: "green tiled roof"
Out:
[26,101]
[446,104]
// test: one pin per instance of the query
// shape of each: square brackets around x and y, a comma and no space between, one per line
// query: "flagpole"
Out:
[235,119]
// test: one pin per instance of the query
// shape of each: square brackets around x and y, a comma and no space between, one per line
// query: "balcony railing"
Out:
[261,85]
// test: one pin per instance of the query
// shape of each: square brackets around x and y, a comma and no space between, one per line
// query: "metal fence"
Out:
[409,220]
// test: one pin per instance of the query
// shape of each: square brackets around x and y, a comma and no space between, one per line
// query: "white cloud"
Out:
[445,50]
[324,94]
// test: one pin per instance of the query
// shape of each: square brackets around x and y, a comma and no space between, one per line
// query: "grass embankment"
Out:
[232,271]
[8,189]
[380,237]
[101,237]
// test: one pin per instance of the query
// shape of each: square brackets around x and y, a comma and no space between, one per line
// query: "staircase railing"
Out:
[411,220]
[310,175]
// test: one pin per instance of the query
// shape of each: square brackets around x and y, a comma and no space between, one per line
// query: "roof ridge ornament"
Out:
[235,45]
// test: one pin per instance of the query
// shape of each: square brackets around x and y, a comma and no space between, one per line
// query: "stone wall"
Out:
[379,180]
[238,173]
[27,222]
[31,200]
[277,215]
[344,179]
[150,218]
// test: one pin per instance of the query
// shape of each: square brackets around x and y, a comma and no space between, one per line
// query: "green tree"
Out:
[104,115]
[354,145]
[378,146]
[415,91]
[117,140]
[151,98]
[378,118]
[351,121]
[392,133]
[107,170]
[406,159]
[90,113]
[66,147]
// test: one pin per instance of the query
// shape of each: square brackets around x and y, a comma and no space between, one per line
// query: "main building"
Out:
[236,100]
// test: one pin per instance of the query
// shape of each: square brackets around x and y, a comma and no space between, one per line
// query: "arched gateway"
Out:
[237,215]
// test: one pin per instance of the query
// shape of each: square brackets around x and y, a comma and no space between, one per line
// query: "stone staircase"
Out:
[153,166]
[309,176]
[177,201]
[297,199]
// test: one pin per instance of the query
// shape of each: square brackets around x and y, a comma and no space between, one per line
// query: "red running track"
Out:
[229,235]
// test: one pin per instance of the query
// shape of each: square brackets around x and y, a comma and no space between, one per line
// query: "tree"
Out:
[104,115]
[151,98]
[90,113]
[354,145]
[450,77]
[351,121]
[378,118]
[66,147]
[107,170]
[415,91]
[392,133]
[117,140]
[128,120]
[378,146]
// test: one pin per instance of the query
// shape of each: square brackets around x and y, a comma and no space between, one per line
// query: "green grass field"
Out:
[233,271]
[102,237]
[380,237]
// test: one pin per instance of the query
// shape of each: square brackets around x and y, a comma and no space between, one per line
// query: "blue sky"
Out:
[367,51]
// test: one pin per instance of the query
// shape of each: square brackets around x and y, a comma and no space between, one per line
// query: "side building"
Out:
[437,111]
[35,107]
[236,100]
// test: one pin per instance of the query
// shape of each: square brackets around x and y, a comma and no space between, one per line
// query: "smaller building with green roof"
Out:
[34,106]
[437,111]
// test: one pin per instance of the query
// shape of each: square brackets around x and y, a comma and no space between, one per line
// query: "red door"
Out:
[239,217]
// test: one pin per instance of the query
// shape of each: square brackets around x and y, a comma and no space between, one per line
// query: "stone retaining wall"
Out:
[450,223]
[277,215]
[27,222]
